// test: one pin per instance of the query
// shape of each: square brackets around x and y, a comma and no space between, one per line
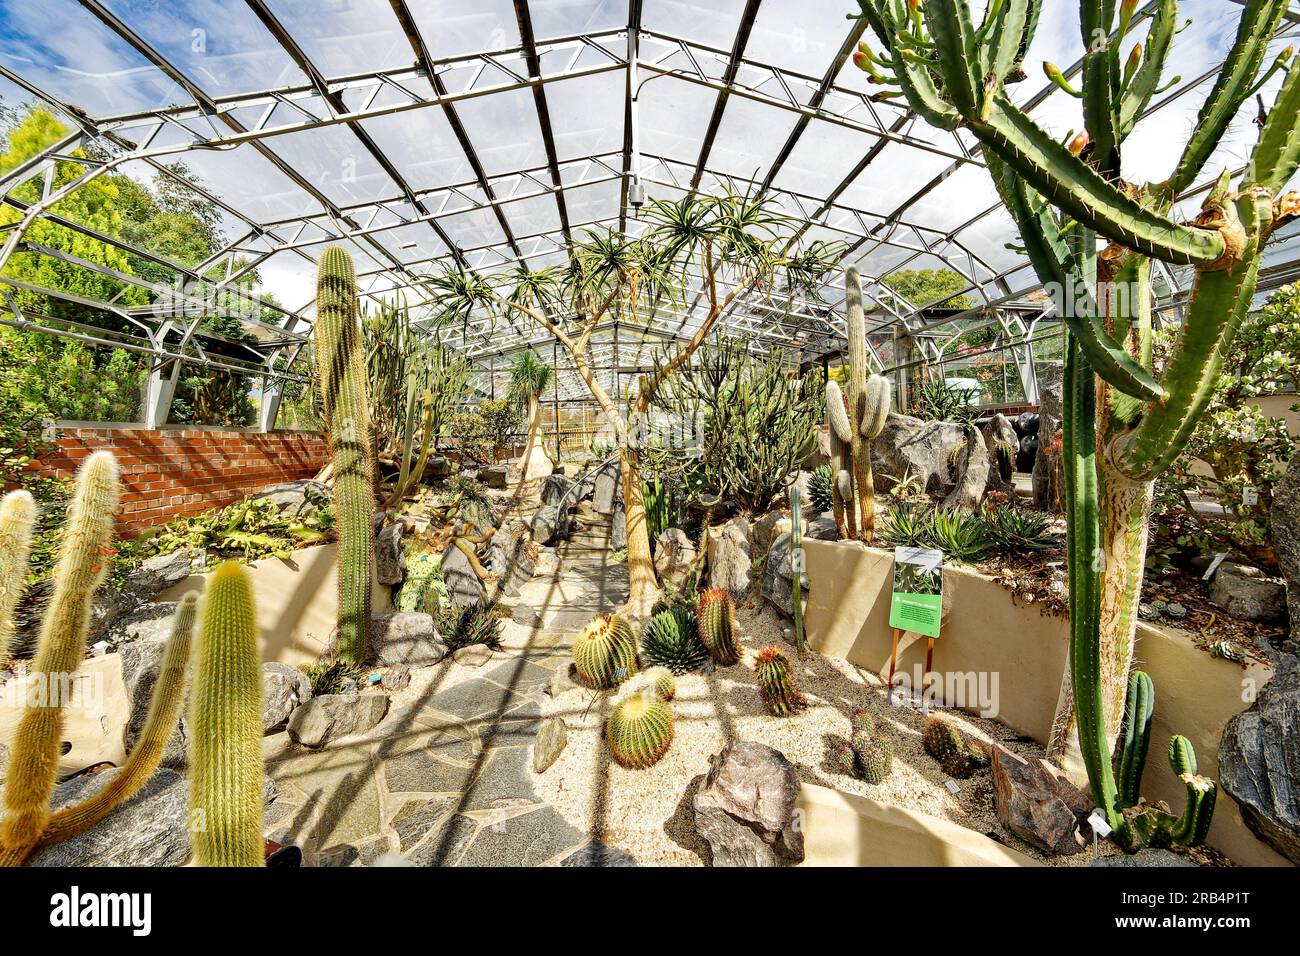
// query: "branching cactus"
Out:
[226,799]
[341,373]
[854,424]
[17,519]
[1091,237]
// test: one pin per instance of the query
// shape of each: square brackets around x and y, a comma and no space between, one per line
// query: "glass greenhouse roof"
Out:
[493,133]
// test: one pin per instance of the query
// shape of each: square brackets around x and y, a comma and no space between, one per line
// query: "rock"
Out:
[745,808]
[284,689]
[548,524]
[548,563]
[763,530]
[674,553]
[1003,445]
[330,717]
[1142,859]
[527,616]
[494,476]
[972,473]
[1037,804]
[1284,522]
[551,740]
[822,529]
[472,655]
[554,487]
[618,528]
[405,637]
[396,678]
[1248,593]
[910,446]
[438,466]
[156,575]
[565,679]
[463,584]
[141,662]
[298,497]
[607,487]
[1047,477]
[511,562]
[390,562]
[148,622]
[1259,763]
[730,557]
[778,577]
[598,855]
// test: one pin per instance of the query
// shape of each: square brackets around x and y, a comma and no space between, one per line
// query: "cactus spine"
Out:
[657,680]
[81,568]
[605,652]
[776,682]
[341,372]
[17,518]
[226,723]
[715,615]
[639,730]
[672,640]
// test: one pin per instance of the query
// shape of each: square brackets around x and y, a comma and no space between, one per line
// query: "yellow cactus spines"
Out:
[716,617]
[658,680]
[344,391]
[160,723]
[81,568]
[225,725]
[17,518]
[776,682]
[639,730]
[605,652]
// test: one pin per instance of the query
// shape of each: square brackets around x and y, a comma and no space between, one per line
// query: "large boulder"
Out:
[910,446]
[730,557]
[141,663]
[745,808]
[1035,802]
[1285,522]
[618,528]
[406,637]
[148,622]
[778,577]
[763,531]
[463,584]
[1259,761]
[390,562]
[1248,593]
[548,525]
[494,476]
[156,575]
[973,470]
[330,717]
[674,553]
[607,487]
[297,497]
[1003,445]
[511,560]
[1047,476]
[284,689]
[554,488]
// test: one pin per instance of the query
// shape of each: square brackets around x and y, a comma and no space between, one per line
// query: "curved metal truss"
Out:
[516,172]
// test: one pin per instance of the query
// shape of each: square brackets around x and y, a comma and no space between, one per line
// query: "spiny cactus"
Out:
[821,489]
[17,518]
[715,616]
[341,374]
[605,652]
[81,568]
[797,565]
[639,730]
[958,757]
[656,680]
[776,682]
[226,726]
[672,640]
[841,757]
[862,722]
[159,726]
[874,757]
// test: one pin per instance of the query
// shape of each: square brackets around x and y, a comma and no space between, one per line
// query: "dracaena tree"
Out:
[1092,237]
[735,242]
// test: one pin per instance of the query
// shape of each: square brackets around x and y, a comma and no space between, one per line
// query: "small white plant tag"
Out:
[1098,823]
[1250,496]
[1214,565]
[953,788]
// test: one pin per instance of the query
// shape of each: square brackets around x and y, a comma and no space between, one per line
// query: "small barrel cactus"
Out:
[776,682]
[863,723]
[605,652]
[842,759]
[658,681]
[874,756]
[672,640]
[715,616]
[639,731]
[958,757]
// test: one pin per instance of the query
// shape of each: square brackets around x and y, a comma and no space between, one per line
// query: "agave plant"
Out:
[1017,530]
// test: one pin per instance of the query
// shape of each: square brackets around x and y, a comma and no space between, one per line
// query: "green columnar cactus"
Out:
[821,490]
[874,757]
[605,652]
[341,373]
[160,724]
[841,453]
[715,616]
[639,730]
[1123,423]
[82,567]
[776,682]
[226,726]
[797,564]
[672,640]
[17,518]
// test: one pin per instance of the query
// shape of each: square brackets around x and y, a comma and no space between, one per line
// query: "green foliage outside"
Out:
[929,287]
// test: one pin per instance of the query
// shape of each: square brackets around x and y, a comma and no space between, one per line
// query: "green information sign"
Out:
[917,603]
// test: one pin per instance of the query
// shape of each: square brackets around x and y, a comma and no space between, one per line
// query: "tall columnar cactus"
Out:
[605,652]
[226,800]
[797,565]
[1124,421]
[17,518]
[672,640]
[639,730]
[715,616]
[82,567]
[344,392]
[776,682]
[854,425]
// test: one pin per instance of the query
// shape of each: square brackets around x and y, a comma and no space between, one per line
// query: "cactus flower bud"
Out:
[1079,143]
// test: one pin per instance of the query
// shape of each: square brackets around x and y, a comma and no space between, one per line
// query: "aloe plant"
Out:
[1124,420]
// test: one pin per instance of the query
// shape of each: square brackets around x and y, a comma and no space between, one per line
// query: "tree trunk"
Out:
[533,464]
[643,589]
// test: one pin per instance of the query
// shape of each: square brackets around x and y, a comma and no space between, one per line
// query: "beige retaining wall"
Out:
[984,632]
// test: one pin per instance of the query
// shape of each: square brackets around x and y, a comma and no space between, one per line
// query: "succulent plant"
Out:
[639,730]
[657,680]
[862,722]
[671,639]
[17,519]
[605,652]
[940,738]
[715,616]
[841,757]
[874,757]
[776,682]
[821,489]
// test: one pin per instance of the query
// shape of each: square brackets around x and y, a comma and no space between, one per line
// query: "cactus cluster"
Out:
[960,758]
[715,617]
[671,639]
[344,391]
[776,682]
[854,420]
[867,755]
[605,652]
[639,730]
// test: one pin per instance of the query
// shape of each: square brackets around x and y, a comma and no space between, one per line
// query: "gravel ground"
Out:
[648,812]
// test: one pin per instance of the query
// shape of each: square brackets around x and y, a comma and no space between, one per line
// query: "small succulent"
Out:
[842,758]
[958,757]
[819,490]
[863,723]
[715,617]
[874,757]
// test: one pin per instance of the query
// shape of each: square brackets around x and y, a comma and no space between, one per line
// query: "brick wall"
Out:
[174,472]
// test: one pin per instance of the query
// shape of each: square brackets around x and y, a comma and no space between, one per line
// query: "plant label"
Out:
[953,787]
[917,603]
[1098,823]
[1250,496]
[1214,565]
[49,430]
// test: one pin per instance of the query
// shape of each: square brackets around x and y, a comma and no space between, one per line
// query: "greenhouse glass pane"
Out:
[714,24]
[587,114]
[557,18]
[343,37]
[799,36]
[333,159]
[422,146]
[674,115]
[825,154]
[749,138]
[504,131]
[452,28]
